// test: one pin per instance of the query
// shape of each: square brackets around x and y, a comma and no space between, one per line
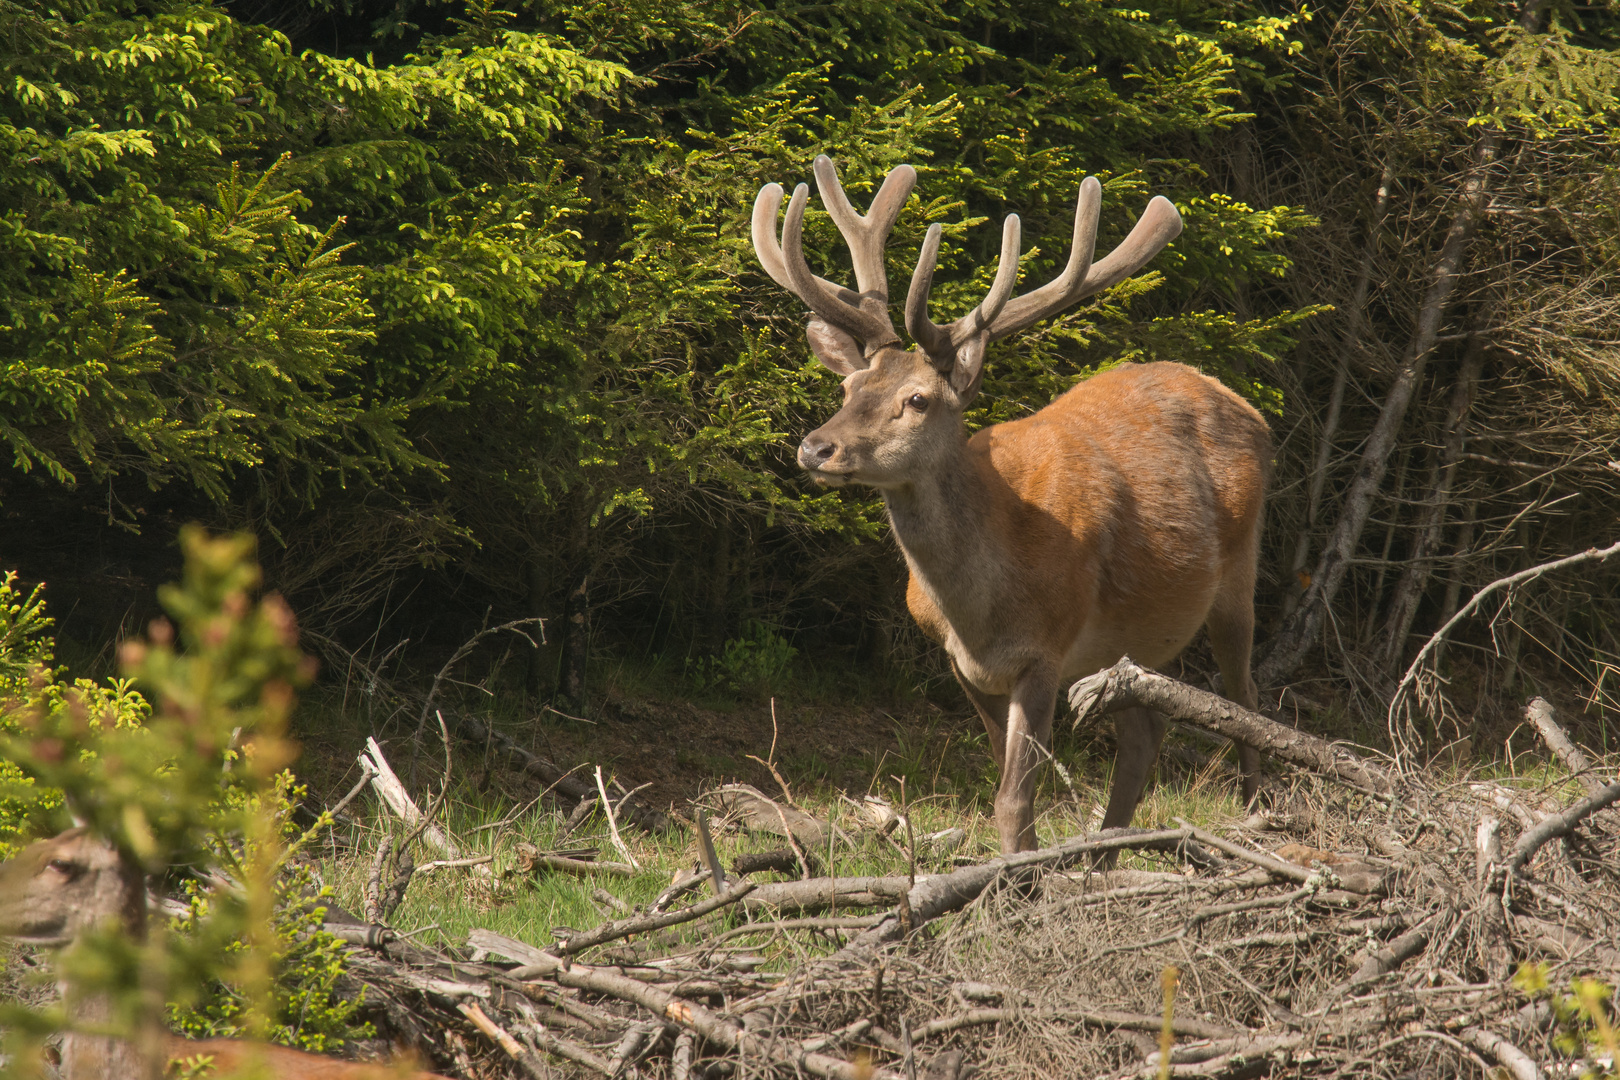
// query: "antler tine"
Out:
[944,341]
[863,314]
[866,235]
[766,205]
[1160,224]
[831,303]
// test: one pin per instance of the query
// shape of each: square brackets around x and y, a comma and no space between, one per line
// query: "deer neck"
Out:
[939,521]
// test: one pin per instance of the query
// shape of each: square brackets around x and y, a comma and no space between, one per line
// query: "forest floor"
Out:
[1286,950]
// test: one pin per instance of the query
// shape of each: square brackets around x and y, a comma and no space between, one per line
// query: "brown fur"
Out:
[56,889]
[1116,521]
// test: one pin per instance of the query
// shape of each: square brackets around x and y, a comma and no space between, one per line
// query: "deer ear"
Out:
[967,372]
[834,348]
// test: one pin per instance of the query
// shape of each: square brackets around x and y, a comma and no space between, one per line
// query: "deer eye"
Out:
[918,402]
[62,866]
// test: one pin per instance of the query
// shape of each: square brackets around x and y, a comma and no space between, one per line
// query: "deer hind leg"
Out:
[1138,732]
[993,711]
[1231,639]
[1028,742]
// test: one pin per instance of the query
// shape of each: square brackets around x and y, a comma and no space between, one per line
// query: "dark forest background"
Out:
[453,306]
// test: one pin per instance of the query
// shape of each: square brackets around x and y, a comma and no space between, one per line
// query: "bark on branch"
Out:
[1127,684]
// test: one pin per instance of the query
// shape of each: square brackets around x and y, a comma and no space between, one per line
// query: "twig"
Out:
[466,647]
[643,923]
[711,861]
[530,862]
[448,864]
[1275,866]
[613,824]
[1599,554]
[841,922]
[770,763]
[1099,1018]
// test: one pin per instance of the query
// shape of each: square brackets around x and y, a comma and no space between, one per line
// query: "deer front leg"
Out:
[993,711]
[1029,740]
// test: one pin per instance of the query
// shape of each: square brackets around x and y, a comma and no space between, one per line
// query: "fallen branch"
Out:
[667,1006]
[1555,825]
[1127,685]
[1518,1064]
[1099,1018]
[935,896]
[641,924]
[529,859]
[397,799]
[1540,714]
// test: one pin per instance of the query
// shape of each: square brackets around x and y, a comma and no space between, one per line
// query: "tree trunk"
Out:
[576,630]
[1297,581]
[1300,630]
[1409,592]
[537,584]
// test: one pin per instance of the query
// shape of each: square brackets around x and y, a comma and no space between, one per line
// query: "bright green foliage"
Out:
[753,664]
[29,685]
[307,963]
[1585,1019]
[199,781]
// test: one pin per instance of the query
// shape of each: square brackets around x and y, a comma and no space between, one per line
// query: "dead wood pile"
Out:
[1368,923]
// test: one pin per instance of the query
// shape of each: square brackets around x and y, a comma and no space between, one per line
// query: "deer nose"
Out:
[816,450]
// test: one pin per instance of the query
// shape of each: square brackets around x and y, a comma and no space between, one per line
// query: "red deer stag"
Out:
[1115,521]
[56,889]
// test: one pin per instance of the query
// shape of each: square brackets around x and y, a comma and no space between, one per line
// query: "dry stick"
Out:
[1396,953]
[1510,1057]
[490,1028]
[711,861]
[1098,1018]
[1540,713]
[827,892]
[447,864]
[579,866]
[1555,825]
[1590,554]
[1269,863]
[398,800]
[613,824]
[1127,684]
[945,893]
[700,1020]
[680,1064]
[611,931]
[466,647]
[436,804]
[841,922]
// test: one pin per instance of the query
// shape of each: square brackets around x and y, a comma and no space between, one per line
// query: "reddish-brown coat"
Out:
[1122,508]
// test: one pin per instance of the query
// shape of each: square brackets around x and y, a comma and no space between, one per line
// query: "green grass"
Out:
[949,783]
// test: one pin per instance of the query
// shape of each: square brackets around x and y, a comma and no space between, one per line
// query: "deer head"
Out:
[903,407]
